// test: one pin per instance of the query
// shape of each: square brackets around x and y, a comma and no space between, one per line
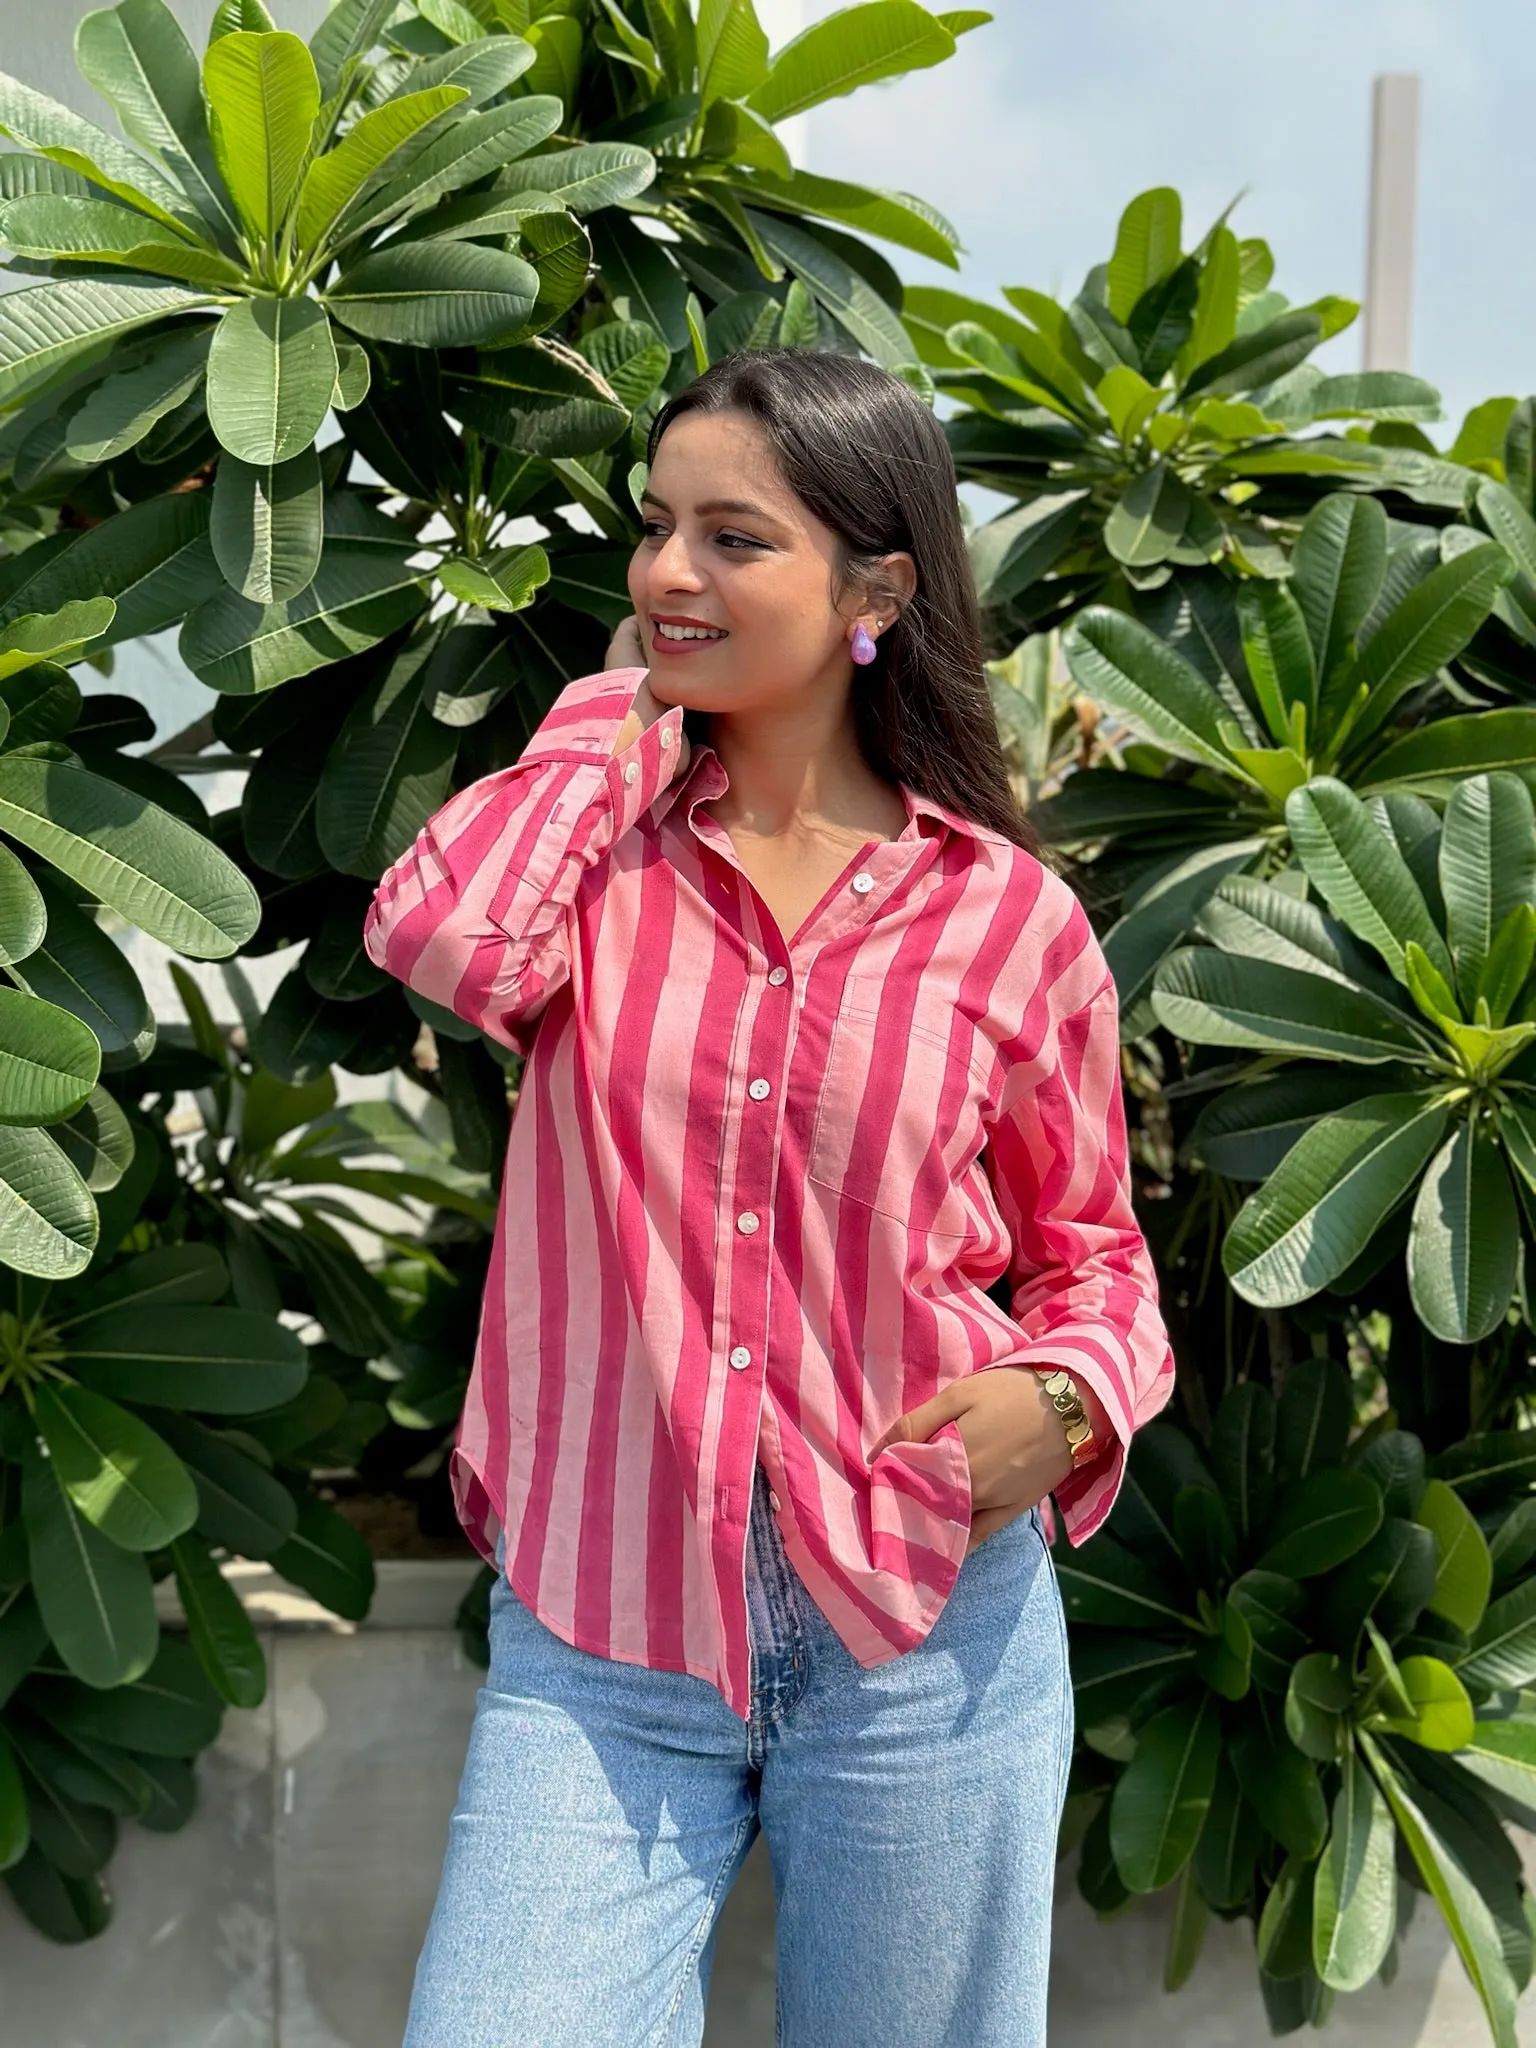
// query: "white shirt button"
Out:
[863,883]
[631,771]
[666,735]
[774,1502]
[741,1358]
[778,976]
[746,1222]
[757,1089]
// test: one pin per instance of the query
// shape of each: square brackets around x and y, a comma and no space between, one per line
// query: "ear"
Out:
[885,589]
[897,582]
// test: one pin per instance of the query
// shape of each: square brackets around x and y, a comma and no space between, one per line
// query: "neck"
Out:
[795,768]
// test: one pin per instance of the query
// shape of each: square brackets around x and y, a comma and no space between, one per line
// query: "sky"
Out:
[1036,133]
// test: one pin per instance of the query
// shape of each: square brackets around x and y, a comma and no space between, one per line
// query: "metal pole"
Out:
[1394,194]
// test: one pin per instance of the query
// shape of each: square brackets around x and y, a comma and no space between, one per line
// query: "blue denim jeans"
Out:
[911,1813]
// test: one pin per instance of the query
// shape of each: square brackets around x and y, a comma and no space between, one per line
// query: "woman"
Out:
[820,1130]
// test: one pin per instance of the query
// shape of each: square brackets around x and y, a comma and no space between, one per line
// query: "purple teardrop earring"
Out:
[863,646]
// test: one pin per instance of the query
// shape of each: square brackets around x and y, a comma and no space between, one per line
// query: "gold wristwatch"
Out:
[1064,1399]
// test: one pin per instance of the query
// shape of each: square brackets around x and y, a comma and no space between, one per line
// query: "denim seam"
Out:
[728,1864]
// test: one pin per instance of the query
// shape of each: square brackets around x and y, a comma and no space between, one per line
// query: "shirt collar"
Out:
[705,778]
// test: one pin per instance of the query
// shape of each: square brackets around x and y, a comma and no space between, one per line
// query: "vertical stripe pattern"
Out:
[758,1187]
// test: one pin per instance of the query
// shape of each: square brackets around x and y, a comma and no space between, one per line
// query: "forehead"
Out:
[721,455]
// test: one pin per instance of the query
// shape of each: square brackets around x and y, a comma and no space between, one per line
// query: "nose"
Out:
[672,567]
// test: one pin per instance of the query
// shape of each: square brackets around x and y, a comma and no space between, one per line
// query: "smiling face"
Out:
[736,584]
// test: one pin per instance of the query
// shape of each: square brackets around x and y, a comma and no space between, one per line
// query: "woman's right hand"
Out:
[646,707]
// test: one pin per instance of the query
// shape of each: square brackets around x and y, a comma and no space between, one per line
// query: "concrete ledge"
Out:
[411,1592]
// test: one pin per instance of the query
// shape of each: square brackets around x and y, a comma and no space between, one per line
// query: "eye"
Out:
[738,542]
[653,529]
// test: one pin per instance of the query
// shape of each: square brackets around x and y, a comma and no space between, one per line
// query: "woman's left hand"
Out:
[1013,1440]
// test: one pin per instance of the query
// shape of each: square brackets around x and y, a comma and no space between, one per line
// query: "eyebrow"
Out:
[743,506]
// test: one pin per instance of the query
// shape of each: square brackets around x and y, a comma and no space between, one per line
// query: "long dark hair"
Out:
[866,456]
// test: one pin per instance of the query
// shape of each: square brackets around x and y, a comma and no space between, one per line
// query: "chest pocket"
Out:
[899,1112]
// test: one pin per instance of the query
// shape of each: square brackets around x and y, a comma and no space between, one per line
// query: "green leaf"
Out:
[889,216]
[1464,1573]
[271,375]
[1215,998]
[582,178]
[48,1221]
[640,278]
[1260,920]
[1503,1755]
[1148,523]
[122,408]
[1279,657]
[1161,1799]
[1490,1468]
[1215,318]
[1436,756]
[497,585]
[1229,1843]
[50,227]
[1242,1456]
[1017,548]
[1503,1656]
[1281,1785]
[435,294]
[327,1558]
[240,1504]
[854,47]
[119,1474]
[1162,913]
[1146,247]
[137,56]
[267,526]
[159,873]
[39,123]
[1424,631]
[49,1060]
[1186,1934]
[263,99]
[59,635]
[539,400]
[1284,1940]
[733,51]
[1329,1196]
[1257,358]
[97,1599]
[218,1626]
[1364,879]
[1389,1582]
[1313,1418]
[332,181]
[1354,1908]
[351,29]
[15,1829]
[364,589]
[1455,1890]
[1316,1701]
[1106,1585]
[46,326]
[1442,1717]
[222,1361]
[1162,697]
[1487,868]
[836,285]
[1321,1521]
[1464,1247]
[1373,395]
[467,149]
[1112,1671]
[169,1710]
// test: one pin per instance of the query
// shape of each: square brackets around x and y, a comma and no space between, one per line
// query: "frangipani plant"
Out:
[1395,1088]
[1300,1665]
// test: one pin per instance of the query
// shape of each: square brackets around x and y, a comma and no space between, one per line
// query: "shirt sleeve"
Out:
[476,916]
[1084,1293]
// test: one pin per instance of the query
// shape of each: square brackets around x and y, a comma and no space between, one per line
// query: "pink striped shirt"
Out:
[757,1188]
